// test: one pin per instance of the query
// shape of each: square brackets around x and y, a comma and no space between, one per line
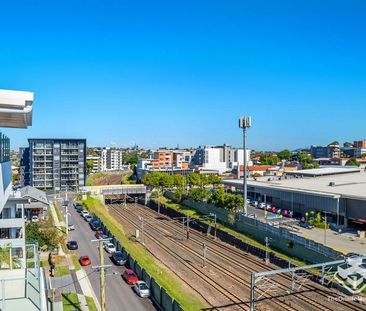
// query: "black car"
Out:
[79,209]
[73,245]
[95,225]
[118,258]
[77,204]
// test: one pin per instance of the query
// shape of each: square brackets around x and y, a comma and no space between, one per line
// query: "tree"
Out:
[199,194]
[363,155]
[334,143]
[89,166]
[352,162]
[284,155]
[8,261]
[267,159]
[194,179]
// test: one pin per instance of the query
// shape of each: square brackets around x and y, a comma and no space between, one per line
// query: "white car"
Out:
[141,289]
[35,219]
[262,205]
[84,213]
[71,227]
[109,247]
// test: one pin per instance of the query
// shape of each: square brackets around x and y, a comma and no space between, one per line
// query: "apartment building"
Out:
[55,164]
[21,283]
[219,158]
[97,163]
[111,159]
[330,151]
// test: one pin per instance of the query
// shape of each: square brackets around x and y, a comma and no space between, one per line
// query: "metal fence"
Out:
[307,243]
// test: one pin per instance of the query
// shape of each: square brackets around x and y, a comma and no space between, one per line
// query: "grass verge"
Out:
[75,261]
[70,302]
[62,270]
[58,213]
[162,275]
[91,303]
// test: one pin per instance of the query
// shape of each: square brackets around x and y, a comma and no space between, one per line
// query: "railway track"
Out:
[236,259]
[276,303]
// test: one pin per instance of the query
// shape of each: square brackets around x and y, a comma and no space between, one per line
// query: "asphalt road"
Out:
[119,295]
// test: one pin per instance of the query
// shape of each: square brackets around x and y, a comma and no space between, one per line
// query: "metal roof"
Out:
[34,193]
[345,185]
[16,108]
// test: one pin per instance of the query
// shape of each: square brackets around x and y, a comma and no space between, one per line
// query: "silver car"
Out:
[141,289]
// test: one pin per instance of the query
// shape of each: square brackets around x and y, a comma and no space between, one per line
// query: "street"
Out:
[119,295]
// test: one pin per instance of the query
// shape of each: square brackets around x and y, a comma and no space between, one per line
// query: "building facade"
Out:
[111,159]
[330,151]
[220,158]
[97,163]
[22,285]
[56,164]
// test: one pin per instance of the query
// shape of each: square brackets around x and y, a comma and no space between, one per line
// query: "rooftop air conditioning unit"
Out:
[332,184]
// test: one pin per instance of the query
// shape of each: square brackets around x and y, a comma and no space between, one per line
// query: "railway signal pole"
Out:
[266,240]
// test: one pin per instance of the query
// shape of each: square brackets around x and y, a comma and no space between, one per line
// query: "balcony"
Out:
[23,288]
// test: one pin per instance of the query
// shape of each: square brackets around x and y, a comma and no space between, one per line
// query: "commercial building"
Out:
[111,159]
[55,164]
[22,283]
[337,191]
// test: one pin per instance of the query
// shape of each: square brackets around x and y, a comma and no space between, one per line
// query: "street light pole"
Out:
[244,123]
[325,227]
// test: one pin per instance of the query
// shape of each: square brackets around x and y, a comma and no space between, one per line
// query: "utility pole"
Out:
[204,245]
[142,231]
[102,280]
[158,202]
[136,202]
[267,249]
[325,227]
[102,272]
[244,123]
[188,227]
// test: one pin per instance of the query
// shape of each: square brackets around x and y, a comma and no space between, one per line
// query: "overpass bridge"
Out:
[116,192]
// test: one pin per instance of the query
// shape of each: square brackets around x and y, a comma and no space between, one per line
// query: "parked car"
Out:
[79,209]
[306,225]
[141,289]
[95,225]
[84,260]
[84,213]
[130,276]
[35,219]
[262,205]
[118,258]
[99,234]
[72,245]
[109,247]
[88,218]
[71,227]
[76,204]
[254,203]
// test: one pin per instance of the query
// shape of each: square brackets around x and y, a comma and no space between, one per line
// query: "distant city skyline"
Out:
[167,73]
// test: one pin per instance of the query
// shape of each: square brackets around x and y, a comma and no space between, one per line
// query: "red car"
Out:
[85,260]
[130,276]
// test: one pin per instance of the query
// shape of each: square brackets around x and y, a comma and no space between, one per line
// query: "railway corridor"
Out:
[224,282]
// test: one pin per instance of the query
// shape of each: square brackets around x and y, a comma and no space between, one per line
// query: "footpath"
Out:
[76,282]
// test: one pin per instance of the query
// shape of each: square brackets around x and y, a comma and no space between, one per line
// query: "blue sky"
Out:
[162,73]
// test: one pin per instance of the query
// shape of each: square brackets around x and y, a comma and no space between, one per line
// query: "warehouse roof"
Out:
[346,185]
